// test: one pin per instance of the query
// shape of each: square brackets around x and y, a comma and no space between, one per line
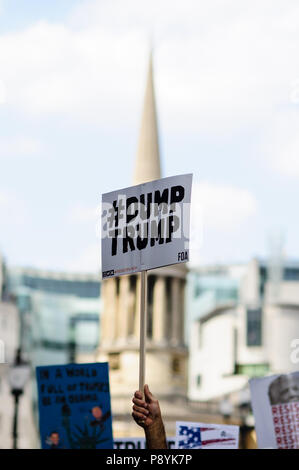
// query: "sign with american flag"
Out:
[206,436]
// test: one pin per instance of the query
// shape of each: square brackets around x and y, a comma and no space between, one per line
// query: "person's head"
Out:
[97,412]
[284,389]
[54,438]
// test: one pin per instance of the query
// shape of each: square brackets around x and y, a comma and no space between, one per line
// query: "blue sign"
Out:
[74,406]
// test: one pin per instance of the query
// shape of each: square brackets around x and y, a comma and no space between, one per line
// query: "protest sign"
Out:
[206,436]
[275,404]
[74,406]
[146,226]
[138,443]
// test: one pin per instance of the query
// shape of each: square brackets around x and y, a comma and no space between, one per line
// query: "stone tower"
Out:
[166,358]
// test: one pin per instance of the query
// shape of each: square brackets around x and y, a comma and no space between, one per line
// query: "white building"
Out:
[235,337]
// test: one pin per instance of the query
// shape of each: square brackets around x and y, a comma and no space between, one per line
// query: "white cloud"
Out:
[2,92]
[281,146]
[19,146]
[81,214]
[52,69]
[88,260]
[218,211]
[218,65]
[89,216]
[223,207]
[13,211]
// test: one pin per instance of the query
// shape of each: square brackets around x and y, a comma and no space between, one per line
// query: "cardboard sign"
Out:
[74,406]
[206,436]
[138,443]
[146,226]
[275,404]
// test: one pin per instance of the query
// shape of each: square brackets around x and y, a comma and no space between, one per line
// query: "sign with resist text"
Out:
[275,404]
[146,226]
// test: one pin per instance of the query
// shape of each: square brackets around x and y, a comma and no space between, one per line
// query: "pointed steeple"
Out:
[147,167]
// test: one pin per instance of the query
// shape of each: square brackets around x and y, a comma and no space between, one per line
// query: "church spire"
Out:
[147,167]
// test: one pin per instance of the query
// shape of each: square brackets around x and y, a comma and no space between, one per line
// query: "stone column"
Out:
[132,308]
[182,312]
[176,311]
[137,307]
[159,310]
[123,309]
[108,318]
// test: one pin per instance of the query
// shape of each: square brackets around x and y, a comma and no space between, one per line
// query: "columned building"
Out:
[166,358]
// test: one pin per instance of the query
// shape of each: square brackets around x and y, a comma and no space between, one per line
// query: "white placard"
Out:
[275,404]
[146,226]
[138,443]
[191,435]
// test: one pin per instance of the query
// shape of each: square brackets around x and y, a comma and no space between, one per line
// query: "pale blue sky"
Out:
[72,76]
[18,14]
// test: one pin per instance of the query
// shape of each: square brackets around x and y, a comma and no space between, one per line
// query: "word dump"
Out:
[134,223]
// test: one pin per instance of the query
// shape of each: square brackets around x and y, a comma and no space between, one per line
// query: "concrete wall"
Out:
[283,328]
[213,358]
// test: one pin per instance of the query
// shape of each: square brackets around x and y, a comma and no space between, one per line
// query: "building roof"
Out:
[147,166]
[217,311]
[54,275]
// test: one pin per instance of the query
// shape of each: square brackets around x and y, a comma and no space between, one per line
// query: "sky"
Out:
[72,79]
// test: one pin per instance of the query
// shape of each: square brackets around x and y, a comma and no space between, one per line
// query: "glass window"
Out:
[291,274]
[114,361]
[253,370]
[199,336]
[176,365]
[254,327]
[88,289]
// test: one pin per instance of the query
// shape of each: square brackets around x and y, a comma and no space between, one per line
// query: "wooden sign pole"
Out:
[143,323]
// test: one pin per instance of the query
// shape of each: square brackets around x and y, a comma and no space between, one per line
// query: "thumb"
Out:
[148,395]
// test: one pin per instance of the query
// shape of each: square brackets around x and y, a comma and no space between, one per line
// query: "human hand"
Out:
[146,411]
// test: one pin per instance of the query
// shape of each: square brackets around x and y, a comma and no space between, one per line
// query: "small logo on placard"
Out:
[183,256]
[108,273]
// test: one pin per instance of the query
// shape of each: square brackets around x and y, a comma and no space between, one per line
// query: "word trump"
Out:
[135,223]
